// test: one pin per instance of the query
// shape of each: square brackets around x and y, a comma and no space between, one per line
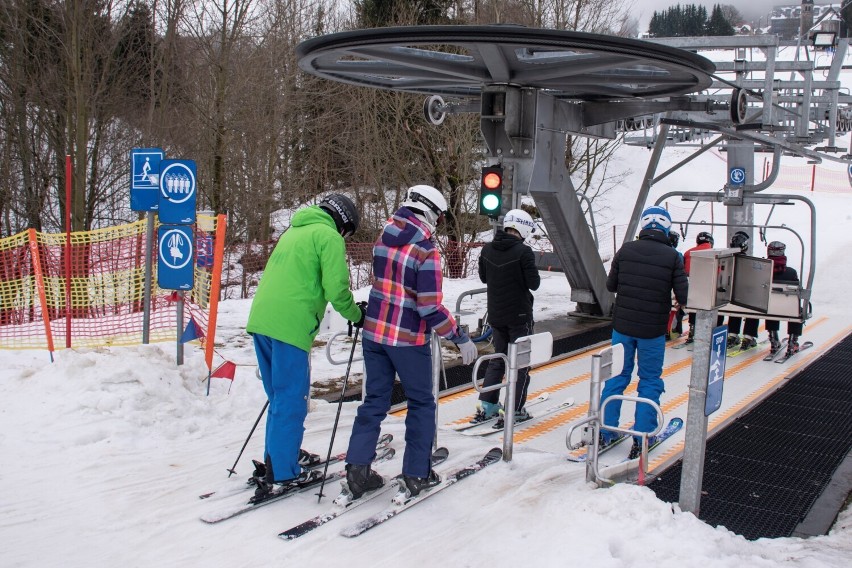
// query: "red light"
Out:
[492,180]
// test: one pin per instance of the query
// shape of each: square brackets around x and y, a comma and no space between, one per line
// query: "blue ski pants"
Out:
[286,379]
[650,353]
[414,366]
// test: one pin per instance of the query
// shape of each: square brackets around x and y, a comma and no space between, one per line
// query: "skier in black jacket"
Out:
[643,275]
[507,267]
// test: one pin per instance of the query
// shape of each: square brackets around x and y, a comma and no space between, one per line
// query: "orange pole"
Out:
[68,174]
[39,277]
[215,287]
[813,177]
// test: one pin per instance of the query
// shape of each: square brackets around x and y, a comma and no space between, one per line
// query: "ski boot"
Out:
[733,341]
[774,342]
[690,338]
[635,449]
[259,472]
[748,342]
[308,460]
[792,345]
[360,479]
[267,489]
[520,416]
[411,486]
[486,411]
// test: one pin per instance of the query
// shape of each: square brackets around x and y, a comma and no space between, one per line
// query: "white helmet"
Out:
[427,203]
[519,220]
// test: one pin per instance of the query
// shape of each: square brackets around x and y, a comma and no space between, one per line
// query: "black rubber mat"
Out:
[764,472]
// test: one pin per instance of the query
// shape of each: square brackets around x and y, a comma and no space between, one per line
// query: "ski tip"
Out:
[494,453]
[441,453]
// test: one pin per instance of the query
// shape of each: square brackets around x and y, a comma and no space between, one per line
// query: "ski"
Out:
[287,491]
[384,442]
[681,344]
[466,425]
[344,502]
[673,427]
[581,454]
[802,347]
[739,351]
[492,457]
[778,352]
[499,427]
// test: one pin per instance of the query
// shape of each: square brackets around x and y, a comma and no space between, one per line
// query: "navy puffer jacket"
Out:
[643,274]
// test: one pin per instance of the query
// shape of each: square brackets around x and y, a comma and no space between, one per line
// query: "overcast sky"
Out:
[645,8]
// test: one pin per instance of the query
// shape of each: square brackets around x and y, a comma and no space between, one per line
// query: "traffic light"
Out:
[491,191]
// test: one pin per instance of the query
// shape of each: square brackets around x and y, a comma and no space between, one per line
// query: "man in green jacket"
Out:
[306,271]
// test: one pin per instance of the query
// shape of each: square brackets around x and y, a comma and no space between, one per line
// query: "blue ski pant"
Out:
[286,379]
[414,366]
[650,353]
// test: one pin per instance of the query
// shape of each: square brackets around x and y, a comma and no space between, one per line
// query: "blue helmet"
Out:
[656,217]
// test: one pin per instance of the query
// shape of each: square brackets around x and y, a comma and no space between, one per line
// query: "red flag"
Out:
[225,371]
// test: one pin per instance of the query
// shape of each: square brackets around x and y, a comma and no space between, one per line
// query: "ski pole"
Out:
[232,471]
[339,407]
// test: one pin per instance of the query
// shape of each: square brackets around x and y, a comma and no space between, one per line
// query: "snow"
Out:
[105,452]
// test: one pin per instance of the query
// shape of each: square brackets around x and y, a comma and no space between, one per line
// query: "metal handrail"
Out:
[328,351]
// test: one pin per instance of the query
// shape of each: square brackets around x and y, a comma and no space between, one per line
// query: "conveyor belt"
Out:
[765,472]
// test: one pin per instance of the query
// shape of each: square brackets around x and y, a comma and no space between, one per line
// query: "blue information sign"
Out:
[177,192]
[175,254]
[716,374]
[737,176]
[145,178]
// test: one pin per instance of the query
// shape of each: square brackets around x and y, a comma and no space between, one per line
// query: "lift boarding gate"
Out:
[607,363]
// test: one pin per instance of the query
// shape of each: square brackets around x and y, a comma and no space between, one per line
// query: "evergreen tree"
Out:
[717,25]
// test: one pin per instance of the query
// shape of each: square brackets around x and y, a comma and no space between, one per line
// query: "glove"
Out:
[363,307]
[468,351]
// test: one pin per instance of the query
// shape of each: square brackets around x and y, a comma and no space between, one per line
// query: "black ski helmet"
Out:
[704,237]
[674,238]
[740,241]
[776,248]
[343,211]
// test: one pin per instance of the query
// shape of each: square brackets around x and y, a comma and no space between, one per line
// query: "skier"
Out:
[507,267]
[703,241]
[643,275]
[404,308]
[776,251]
[306,271]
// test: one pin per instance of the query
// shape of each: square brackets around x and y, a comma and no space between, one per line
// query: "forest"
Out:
[217,81]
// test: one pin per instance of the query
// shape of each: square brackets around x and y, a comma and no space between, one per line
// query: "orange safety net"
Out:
[91,293]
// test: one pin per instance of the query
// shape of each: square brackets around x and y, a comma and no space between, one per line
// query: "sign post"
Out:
[177,198]
[144,186]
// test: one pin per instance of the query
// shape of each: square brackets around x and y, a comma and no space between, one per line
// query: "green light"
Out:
[490,202]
